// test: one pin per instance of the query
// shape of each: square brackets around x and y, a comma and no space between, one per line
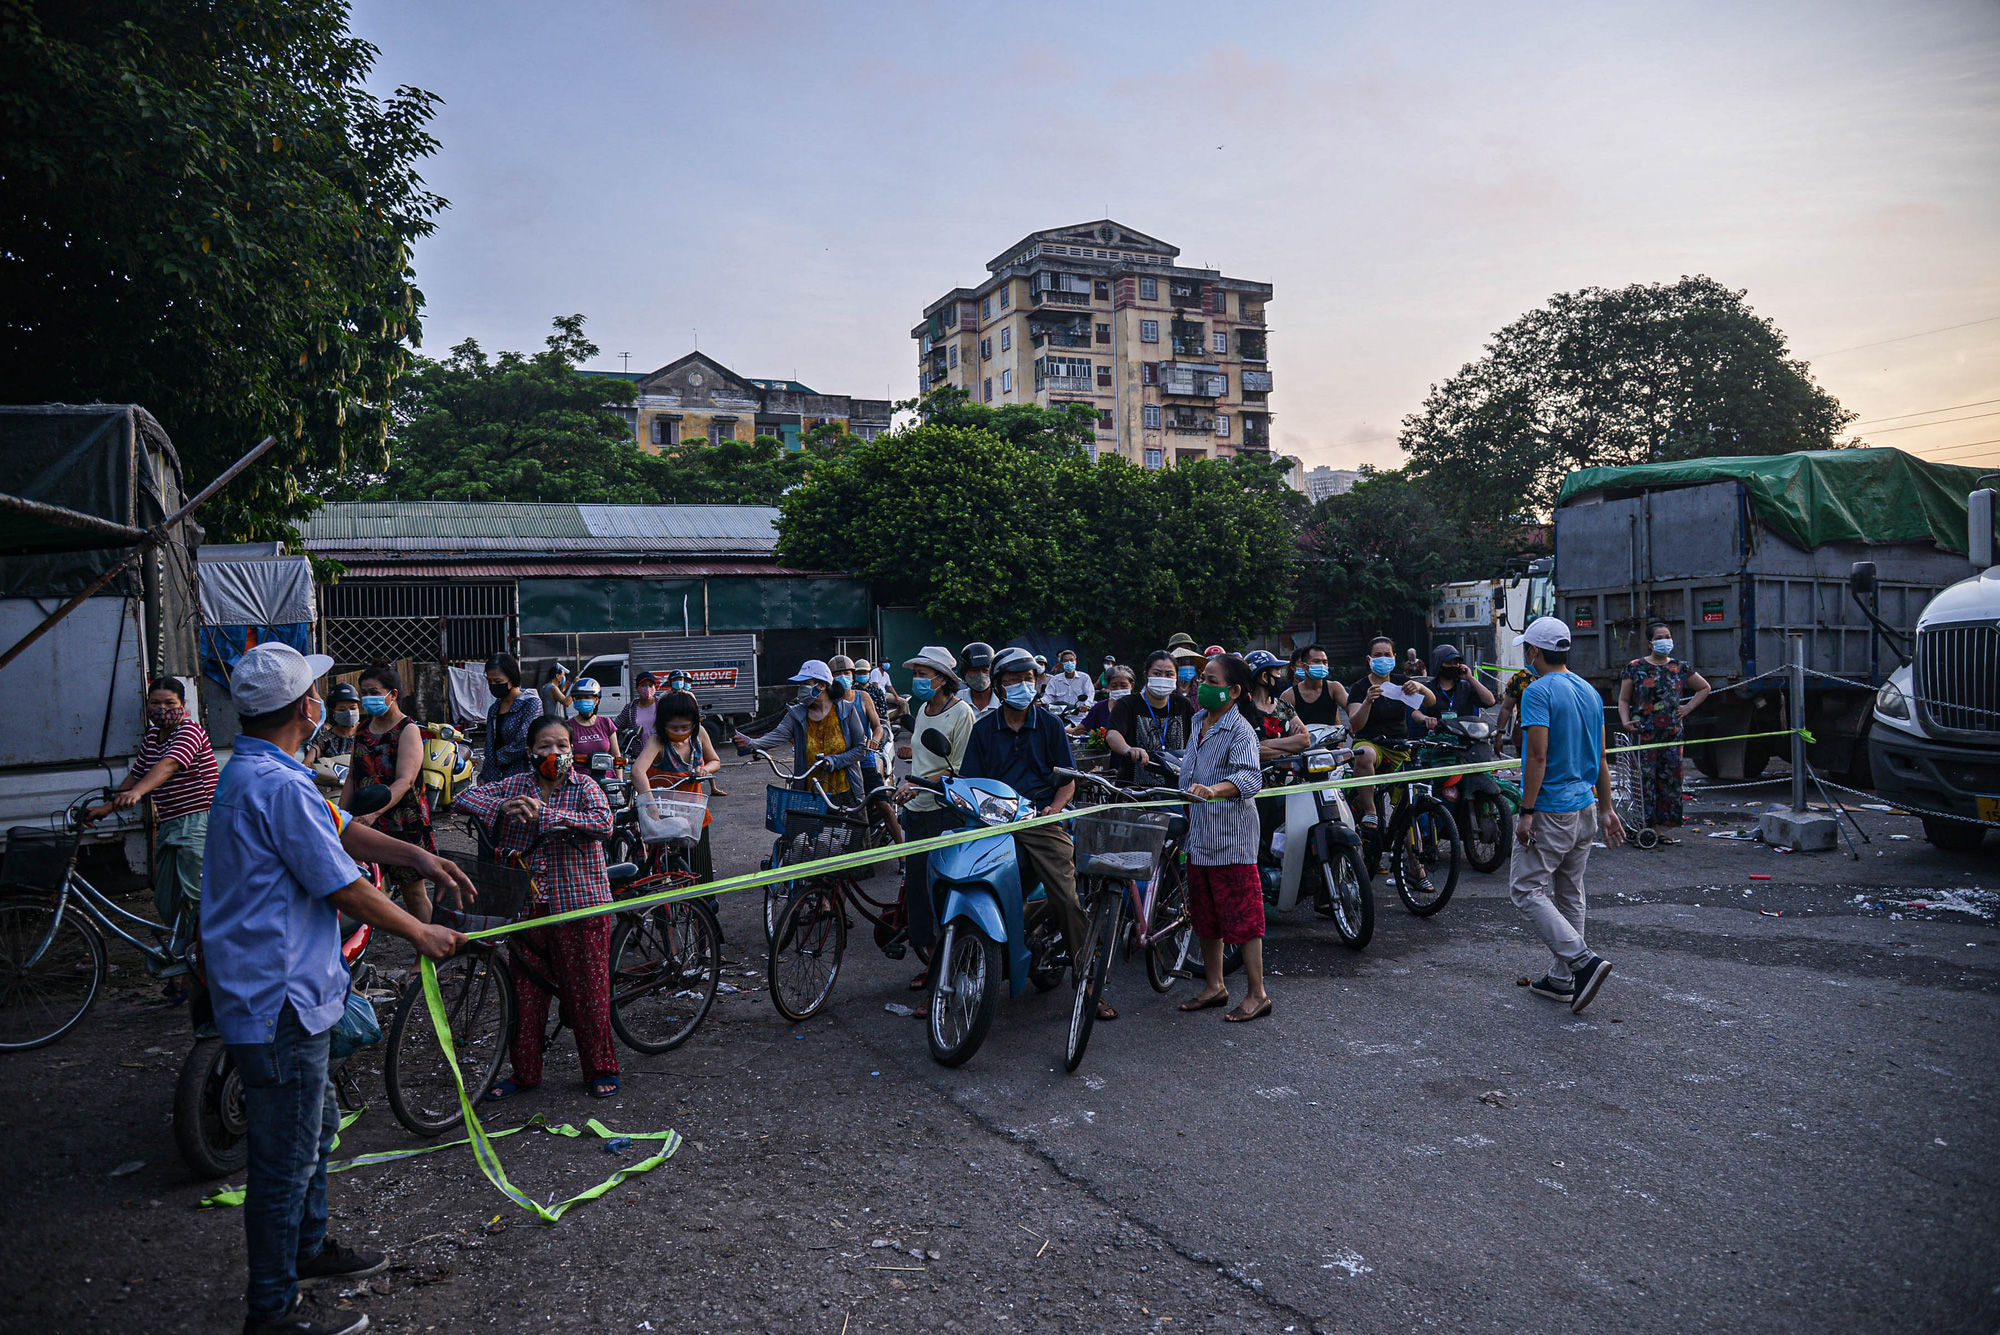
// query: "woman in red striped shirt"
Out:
[175,767]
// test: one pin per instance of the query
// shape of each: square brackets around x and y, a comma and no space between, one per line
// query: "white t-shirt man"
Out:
[1070,687]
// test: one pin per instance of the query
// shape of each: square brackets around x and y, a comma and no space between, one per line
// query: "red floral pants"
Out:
[1226,903]
[576,957]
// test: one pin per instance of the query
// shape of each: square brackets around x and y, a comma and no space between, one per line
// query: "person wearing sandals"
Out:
[1222,773]
[559,819]
[1660,691]
[388,749]
[679,753]
[934,689]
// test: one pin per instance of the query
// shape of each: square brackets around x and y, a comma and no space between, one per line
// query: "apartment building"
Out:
[1173,360]
[1323,482]
[699,399]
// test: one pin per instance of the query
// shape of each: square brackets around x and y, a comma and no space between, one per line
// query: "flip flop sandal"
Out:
[597,1088]
[1106,1011]
[921,981]
[1219,999]
[502,1090]
[1236,1017]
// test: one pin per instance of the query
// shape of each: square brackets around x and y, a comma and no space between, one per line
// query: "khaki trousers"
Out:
[1048,855]
[1547,882]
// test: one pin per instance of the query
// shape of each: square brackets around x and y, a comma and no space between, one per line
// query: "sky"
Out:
[787,183]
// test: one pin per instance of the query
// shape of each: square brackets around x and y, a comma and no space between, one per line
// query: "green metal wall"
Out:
[735,603]
[903,631]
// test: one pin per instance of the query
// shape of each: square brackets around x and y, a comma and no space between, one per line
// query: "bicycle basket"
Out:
[778,801]
[810,835]
[38,860]
[673,817]
[1121,843]
[504,892]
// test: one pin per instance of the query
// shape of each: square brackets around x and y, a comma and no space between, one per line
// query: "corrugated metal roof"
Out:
[390,521]
[388,528]
[566,569]
[743,523]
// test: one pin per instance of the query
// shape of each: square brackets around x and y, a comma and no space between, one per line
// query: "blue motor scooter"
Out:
[992,930]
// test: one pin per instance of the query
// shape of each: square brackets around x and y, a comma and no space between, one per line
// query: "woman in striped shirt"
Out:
[175,767]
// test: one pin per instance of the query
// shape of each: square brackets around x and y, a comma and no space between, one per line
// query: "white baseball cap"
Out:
[1546,633]
[815,669]
[273,675]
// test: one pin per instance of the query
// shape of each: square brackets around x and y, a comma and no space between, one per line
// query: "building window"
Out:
[1006,295]
[985,349]
[1218,343]
[1007,382]
[1149,373]
[1149,331]
[1222,424]
[954,354]
[1104,419]
[986,389]
[1152,457]
[1006,338]
[1103,289]
[721,431]
[1149,289]
[1104,333]
[1104,376]
[1152,420]
[986,309]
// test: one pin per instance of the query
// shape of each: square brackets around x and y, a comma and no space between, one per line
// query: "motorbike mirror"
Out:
[1861,579]
[371,798]
[936,743]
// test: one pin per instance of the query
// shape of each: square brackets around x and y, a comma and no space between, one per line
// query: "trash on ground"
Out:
[129,1167]
[1758,876]
[618,1144]
[898,1008]
[1496,1097]
[1899,838]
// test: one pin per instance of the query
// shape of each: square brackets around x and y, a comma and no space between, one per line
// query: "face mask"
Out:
[646,695]
[555,766]
[979,681]
[922,687]
[1161,686]
[346,718]
[1184,673]
[1021,694]
[1069,668]
[1317,671]
[319,726]
[843,679]
[586,707]
[1381,667]
[1117,692]
[374,705]
[1212,697]
[1663,646]
[500,689]
[162,717]
[808,692]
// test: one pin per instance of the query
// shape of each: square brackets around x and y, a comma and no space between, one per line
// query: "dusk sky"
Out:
[797,180]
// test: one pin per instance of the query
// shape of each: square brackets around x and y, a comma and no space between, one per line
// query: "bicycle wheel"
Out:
[665,966]
[39,1005]
[777,896]
[1171,934]
[1347,897]
[1424,855]
[478,998]
[211,1124]
[806,952]
[1101,938]
[1489,834]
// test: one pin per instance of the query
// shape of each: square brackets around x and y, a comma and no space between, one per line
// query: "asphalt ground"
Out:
[1778,1116]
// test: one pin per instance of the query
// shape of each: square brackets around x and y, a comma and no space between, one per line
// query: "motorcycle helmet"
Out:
[1262,660]
[585,686]
[978,656]
[1012,660]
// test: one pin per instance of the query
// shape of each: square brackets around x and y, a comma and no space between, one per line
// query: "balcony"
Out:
[1187,422]
[1248,314]
[1250,345]
[1256,382]
[1063,298]
[1185,296]
[1194,382]
[1256,432]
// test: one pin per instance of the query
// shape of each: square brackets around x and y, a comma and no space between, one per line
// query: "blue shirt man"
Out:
[1570,708]
[1023,758]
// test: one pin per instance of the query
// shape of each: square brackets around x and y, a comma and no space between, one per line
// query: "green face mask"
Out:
[1212,698]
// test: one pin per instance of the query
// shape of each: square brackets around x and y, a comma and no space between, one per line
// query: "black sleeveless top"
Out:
[1319,712]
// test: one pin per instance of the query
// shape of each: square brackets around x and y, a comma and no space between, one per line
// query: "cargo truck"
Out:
[1736,554]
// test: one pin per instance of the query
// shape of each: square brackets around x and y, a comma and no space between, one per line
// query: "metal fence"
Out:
[434,622]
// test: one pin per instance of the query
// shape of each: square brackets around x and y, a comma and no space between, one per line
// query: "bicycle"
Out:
[1421,841]
[1128,856]
[53,922]
[805,793]
[665,968]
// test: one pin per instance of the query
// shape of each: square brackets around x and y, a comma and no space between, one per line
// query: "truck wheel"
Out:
[1953,836]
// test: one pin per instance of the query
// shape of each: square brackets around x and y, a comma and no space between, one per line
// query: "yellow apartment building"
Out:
[1173,360]
[697,399]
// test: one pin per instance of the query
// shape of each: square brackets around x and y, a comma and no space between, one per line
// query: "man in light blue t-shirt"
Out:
[1562,770]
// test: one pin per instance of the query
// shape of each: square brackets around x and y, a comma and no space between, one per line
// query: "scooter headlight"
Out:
[995,810]
[1320,762]
[1476,728]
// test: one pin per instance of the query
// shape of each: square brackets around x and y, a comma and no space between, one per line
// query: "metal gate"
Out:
[425,622]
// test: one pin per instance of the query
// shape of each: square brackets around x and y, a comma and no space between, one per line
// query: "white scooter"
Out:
[1319,844]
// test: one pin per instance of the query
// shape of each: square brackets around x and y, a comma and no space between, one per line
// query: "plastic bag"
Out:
[357,1028]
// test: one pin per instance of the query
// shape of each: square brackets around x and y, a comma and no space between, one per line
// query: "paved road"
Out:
[1765,1123]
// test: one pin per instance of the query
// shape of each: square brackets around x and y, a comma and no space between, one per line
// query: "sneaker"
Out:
[337,1262]
[307,1317]
[1555,989]
[1590,976]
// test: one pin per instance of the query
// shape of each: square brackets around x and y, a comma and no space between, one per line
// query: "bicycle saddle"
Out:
[620,872]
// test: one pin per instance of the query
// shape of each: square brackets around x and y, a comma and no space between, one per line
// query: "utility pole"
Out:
[1800,829]
[626,357]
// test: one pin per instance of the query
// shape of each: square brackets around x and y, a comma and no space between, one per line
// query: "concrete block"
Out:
[1805,831]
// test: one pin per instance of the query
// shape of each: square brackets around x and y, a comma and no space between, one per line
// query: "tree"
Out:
[516,428]
[1637,375]
[1065,429]
[207,213]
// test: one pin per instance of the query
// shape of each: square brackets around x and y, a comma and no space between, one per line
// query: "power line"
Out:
[1969,417]
[1921,333]
[1940,450]
[1951,408]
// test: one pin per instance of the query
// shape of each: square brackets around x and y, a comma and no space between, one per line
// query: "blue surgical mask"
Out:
[1317,671]
[1069,668]
[586,707]
[1021,694]
[376,705]
[1663,646]
[1185,673]
[1381,667]
[845,679]
[922,687]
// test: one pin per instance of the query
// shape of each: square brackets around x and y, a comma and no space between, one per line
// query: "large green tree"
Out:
[203,210]
[1637,375]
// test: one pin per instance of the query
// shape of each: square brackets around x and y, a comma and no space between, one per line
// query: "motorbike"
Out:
[995,929]
[1318,847]
[1478,802]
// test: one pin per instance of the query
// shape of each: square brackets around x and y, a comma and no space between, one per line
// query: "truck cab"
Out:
[1935,743]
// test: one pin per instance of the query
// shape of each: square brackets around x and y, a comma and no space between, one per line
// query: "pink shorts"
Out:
[1226,903]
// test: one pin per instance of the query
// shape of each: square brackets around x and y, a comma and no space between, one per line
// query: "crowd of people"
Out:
[263,865]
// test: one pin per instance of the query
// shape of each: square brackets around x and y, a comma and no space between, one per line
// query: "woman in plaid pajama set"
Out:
[560,820]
